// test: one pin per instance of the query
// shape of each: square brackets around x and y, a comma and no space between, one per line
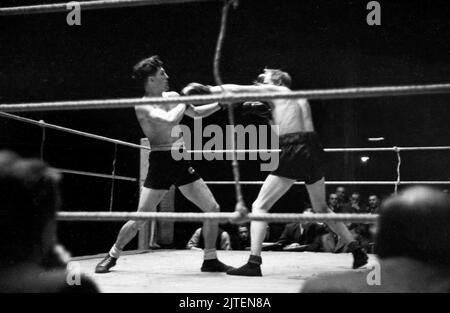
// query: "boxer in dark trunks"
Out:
[300,159]
[157,123]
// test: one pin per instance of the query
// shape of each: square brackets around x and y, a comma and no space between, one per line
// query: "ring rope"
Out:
[44,125]
[382,149]
[223,217]
[132,145]
[406,182]
[88,5]
[342,93]
[395,149]
[72,131]
[80,133]
[92,174]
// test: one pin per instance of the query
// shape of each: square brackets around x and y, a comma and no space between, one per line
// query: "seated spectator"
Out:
[361,231]
[243,240]
[244,237]
[342,200]
[300,236]
[197,241]
[412,244]
[332,243]
[374,204]
[240,237]
[356,206]
[364,234]
[30,259]
[333,202]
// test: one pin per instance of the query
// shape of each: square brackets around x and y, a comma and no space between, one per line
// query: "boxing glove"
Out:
[195,89]
[258,108]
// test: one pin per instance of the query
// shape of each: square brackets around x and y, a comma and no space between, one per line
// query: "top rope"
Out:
[88,5]
[342,93]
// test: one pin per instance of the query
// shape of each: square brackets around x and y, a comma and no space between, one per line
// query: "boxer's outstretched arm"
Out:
[247,88]
[202,110]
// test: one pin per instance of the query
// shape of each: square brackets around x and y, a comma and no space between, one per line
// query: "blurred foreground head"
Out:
[29,199]
[416,224]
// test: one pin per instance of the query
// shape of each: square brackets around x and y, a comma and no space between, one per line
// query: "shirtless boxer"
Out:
[301,159]
[157,122]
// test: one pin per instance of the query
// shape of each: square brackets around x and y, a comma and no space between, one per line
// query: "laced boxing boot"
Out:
[360,257]
[107,263]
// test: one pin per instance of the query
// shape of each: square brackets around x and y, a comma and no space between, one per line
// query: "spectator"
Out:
[356,205]
[343,202]
[333,202]
[412,244]
[361,231]
[240,237]
[330,241]
[244,237]
[271,241]
[302,237]
[374,204]
[30,259]
[341,193]
[244,240]
[364,234]
[197,242]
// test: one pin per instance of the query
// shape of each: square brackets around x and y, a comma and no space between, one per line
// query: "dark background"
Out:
[322,44]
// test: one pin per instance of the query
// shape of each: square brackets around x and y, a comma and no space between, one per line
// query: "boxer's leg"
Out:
[198,193]
[148,201]
[317,196]
[273,189]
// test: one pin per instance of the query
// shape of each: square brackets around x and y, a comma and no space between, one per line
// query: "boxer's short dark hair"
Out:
[147,67]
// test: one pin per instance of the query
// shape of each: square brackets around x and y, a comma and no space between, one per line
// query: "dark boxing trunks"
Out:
[301,157]
[164,171]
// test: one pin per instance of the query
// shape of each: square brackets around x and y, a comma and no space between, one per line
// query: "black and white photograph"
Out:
[224,153]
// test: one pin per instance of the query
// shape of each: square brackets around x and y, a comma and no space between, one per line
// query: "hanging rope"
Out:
[113,179]
[41,150]
[399,163]
[240,205]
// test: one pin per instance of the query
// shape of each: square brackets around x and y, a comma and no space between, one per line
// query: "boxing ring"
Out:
[178,270]
[162,271]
